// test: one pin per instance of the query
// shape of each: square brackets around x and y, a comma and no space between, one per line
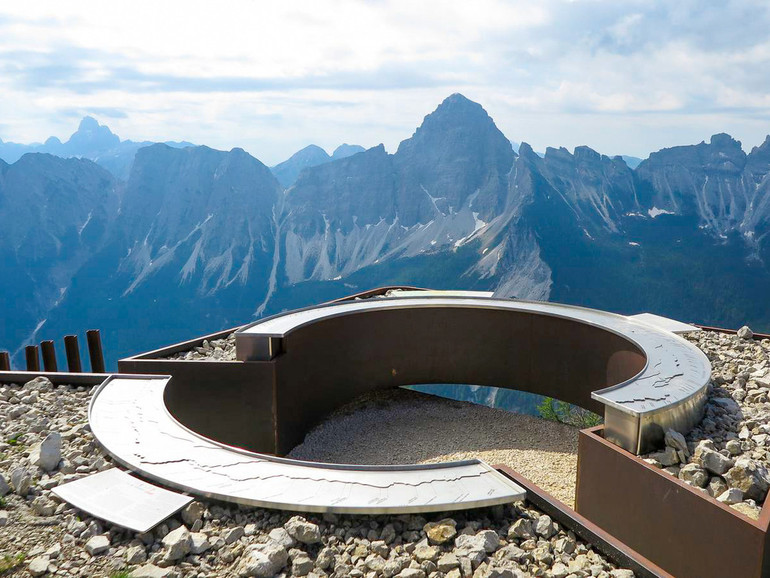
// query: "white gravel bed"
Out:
[214,350]
[401,426]
[727,455]
[45,440]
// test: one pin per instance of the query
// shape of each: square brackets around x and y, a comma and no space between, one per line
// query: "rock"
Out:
[47,454]
[750,477]
[38,565]
[425,552]
[21,480]
[301,565]
[716,487]
[711,460]
[42,506]
[177,543]
[151,571]
[442,531]
[521,528]
[621,573]
[747,510]
[136,555]
[411,573]
[192,512]
[512,552]
[302,530]
[731,496]
[394,566]
[745,332]
[447,562]
[5,489]
[494,572]
[559,570]
[694,474]
[97,545]
[281,536]
[325,558]
[262,559]
[734,447]
[4,518]
[199,543]
[667,457]
[233,534]
[544,527]
[674,439]
[486,541]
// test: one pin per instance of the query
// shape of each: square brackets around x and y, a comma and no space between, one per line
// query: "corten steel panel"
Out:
[676,526]
[602,541]
[328,363]
[228,401]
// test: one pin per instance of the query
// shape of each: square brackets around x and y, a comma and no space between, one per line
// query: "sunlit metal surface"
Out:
[129,418]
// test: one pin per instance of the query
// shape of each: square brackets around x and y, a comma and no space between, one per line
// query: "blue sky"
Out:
[622,77]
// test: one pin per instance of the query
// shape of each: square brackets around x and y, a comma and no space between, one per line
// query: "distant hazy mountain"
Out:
[310,156]
[199,240]
[91,141]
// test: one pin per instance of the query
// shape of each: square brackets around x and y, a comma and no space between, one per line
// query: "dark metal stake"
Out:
[73,354]
[49,356]
[33,358]
[95,350]
[5,361]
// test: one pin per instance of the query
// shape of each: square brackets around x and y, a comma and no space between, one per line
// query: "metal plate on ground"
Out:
[123,500]
[665,323]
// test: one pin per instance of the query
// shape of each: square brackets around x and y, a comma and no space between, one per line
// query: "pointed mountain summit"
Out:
[288,171]
[346,150]
[459,155]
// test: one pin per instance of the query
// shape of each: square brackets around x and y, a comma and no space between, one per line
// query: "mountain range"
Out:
[195,239]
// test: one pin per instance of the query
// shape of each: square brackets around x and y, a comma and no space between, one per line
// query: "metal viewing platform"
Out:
[129,418]
[647,378]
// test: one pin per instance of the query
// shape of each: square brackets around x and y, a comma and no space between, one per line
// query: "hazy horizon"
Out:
[623,79]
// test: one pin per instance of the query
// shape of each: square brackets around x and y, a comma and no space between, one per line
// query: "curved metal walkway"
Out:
[128,417]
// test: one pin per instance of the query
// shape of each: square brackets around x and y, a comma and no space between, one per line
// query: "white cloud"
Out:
[272,77]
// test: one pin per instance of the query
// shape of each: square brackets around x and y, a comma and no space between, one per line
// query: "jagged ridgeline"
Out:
[194,239]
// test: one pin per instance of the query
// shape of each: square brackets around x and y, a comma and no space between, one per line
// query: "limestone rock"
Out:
[262,560]
[199,543]
[521,528]
[750,477]
[442,531]
[47,454]
[136,555]
[177,543]
[97,545]
[38,565]
[674,439]
[731,496]
[5,489]
[281,536]
[694,474]
[745,332]
[152,571]
[544,526]
[711,460]
[302,530]
[192,512]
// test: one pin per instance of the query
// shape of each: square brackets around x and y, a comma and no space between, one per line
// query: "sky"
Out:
[272,77]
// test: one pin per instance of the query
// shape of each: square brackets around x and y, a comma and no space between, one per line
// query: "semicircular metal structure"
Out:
[128,417]
[304,364]
[643,378]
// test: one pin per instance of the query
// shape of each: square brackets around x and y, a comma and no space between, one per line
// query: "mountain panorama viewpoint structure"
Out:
[188,460]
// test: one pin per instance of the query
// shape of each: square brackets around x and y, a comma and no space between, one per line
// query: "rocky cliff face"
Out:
[54,213]
[204,239]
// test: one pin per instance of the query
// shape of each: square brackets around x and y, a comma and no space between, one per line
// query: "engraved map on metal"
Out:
[129,418]
[123,500]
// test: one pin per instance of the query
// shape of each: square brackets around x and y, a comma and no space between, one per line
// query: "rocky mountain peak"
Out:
[346,150]
[92,136]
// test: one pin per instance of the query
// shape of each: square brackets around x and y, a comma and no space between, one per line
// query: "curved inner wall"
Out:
[327,364]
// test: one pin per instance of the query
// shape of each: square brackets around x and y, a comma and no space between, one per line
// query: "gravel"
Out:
[209,539]
[401,426]
[214,350]
[727,455]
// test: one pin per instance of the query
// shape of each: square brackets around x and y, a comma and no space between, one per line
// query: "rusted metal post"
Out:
[33,358]
[73,354]
[95,350]
[5,361]
[49,356]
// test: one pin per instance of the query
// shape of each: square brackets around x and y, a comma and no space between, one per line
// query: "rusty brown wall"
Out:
[668,522]
[230,402]
[328,363]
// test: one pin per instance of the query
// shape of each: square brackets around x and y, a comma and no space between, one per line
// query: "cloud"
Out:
[272,77]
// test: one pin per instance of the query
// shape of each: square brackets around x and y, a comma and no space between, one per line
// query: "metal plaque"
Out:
[123,500]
